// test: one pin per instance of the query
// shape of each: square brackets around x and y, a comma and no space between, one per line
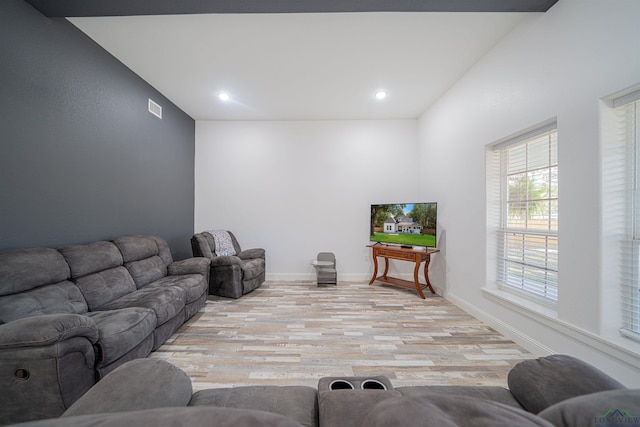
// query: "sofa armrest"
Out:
[136,385]
[38,331]
[196,265]
[540,383]
[600,409]
[251,253]
[220,261]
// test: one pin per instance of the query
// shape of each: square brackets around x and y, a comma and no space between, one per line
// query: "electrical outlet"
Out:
[366,257]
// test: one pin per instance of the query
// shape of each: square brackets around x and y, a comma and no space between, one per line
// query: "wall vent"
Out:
[155,108]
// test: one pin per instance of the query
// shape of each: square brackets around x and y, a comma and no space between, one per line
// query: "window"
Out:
[523,177]
[621,177]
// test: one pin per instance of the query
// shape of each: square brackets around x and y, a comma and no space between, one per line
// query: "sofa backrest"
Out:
[78,278]
[145,257]
[97,268]
[34,282]
[204,245]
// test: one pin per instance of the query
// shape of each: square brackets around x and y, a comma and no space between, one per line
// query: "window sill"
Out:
[531,307]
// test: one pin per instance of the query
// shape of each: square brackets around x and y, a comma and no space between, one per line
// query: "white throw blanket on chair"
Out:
[224,245]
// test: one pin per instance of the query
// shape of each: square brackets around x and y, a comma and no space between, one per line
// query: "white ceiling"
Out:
[319,66]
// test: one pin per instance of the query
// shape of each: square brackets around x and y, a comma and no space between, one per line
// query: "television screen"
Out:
[405,224]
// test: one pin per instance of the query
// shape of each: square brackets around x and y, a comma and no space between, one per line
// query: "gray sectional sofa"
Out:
[69,316]
[557,390]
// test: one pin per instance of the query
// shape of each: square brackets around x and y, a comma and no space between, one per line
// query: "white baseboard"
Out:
[292,277]
[505,329]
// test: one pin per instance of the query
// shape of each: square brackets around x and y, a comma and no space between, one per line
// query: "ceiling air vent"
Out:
[155,108]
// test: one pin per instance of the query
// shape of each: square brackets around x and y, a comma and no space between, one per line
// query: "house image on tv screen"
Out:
[403,224]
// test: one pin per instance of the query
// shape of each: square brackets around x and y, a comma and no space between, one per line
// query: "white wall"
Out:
[558,64]
[297,188]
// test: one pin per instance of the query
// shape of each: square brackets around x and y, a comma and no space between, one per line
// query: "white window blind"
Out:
[621,176]
[524,170]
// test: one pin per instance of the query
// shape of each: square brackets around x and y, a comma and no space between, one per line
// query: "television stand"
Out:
[403,254]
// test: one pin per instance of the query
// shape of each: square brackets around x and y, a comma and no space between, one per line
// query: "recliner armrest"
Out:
[219,261]
[44,330]
[251,253]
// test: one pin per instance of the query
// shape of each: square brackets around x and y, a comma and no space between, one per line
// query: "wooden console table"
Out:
[403,254]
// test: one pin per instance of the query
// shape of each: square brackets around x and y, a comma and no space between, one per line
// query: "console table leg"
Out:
[386,267]
[415,278]
[426,273]
[375,267]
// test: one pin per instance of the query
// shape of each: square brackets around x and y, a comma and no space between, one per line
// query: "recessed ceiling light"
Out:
[223,96]
[381,94]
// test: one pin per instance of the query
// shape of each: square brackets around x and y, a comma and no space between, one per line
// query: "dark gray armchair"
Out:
[232,275]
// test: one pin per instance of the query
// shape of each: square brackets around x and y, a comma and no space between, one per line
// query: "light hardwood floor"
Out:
[295,333]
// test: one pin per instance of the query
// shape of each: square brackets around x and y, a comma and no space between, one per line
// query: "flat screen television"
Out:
[404,224]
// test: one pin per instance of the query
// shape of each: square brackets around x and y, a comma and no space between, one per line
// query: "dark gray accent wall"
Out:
[81,159]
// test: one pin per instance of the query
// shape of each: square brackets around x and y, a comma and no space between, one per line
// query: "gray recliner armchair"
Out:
[230,275]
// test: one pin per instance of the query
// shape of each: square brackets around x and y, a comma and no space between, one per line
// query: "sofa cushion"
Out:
[105,286]
[121,331]
[297,402]
[193,285]
[164,251]
[146,257]
[495,394]
[91,258]
[540,383]
[606,408]
[63,297]
[166,303]
[25,269]
[135,248]
[448,410]
[147,270]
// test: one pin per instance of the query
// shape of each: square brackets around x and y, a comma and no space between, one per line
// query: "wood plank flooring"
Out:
[294,333]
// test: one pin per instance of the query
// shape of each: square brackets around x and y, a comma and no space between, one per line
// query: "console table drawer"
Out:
[395,254]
